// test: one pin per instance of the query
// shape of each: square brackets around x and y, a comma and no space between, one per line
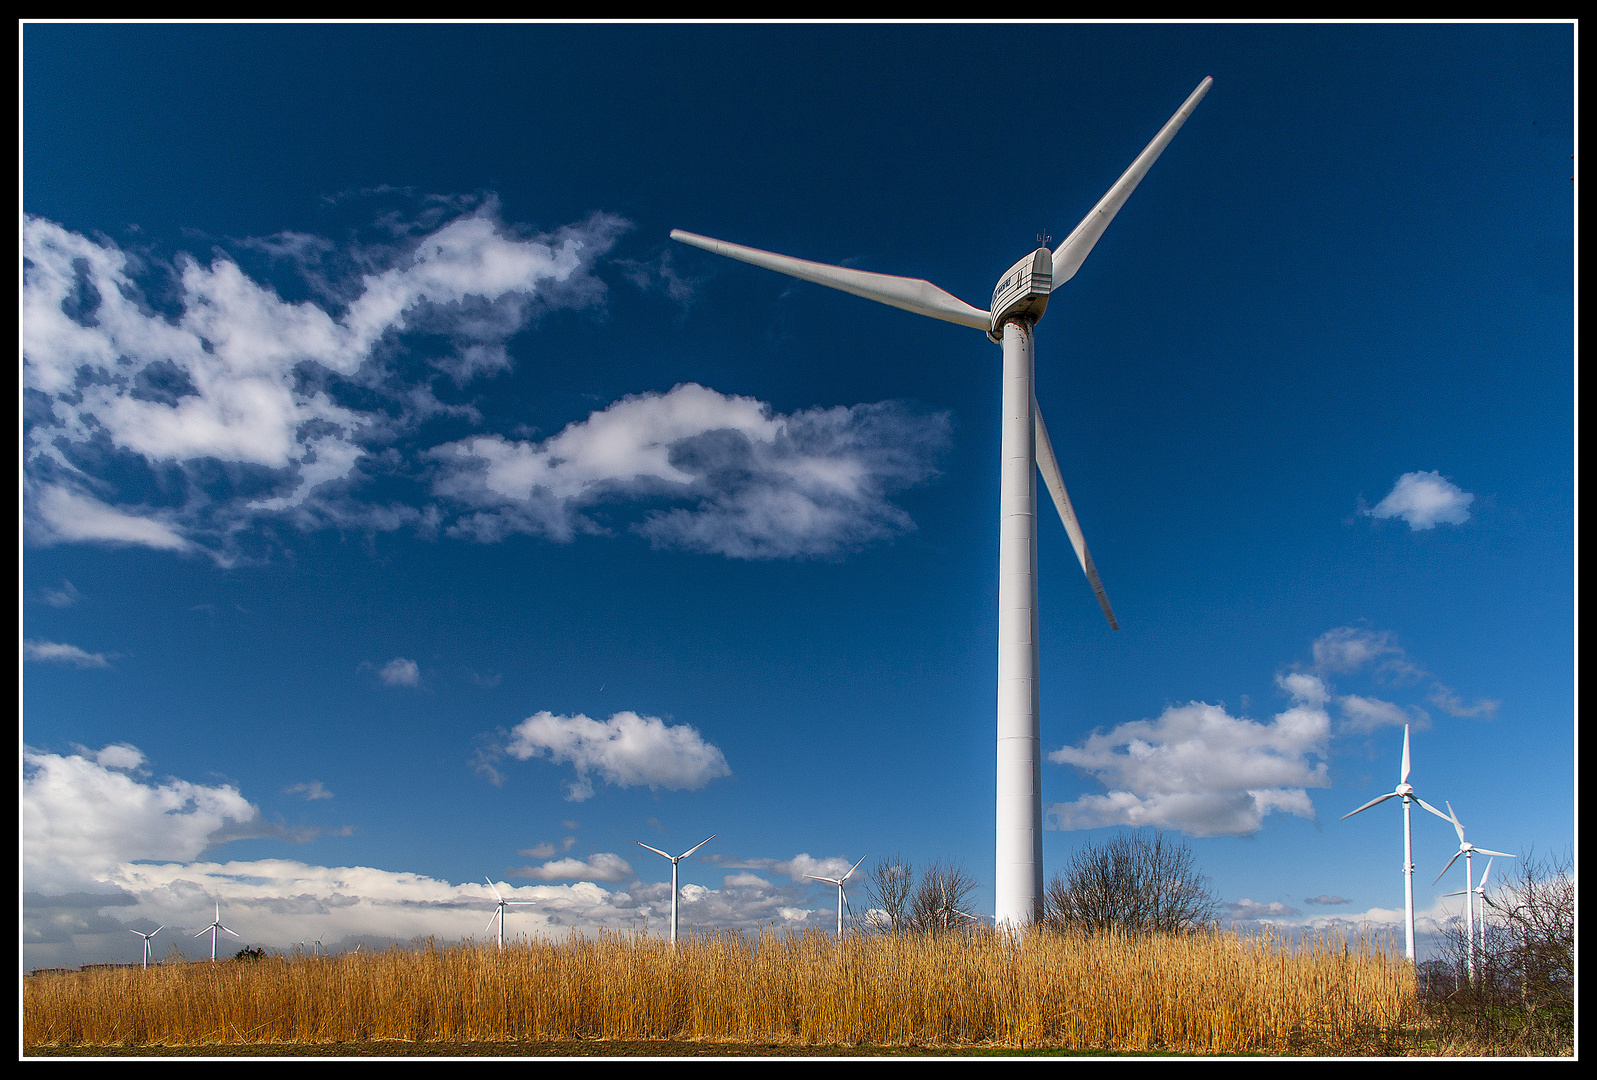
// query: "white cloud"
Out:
[799,868]
[400,672]
[236,374]
[1367,714]
[627,750]
[65,596]
[81,818]
[763,485]
[1244,908]
[54,652]
[1349,648]
[1423,499]
[312,791]
[601,866]
[60,514]
[1305,688]
[1199,769]
[1449,702]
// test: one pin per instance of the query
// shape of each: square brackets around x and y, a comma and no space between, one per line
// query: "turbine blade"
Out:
[1405,755]
[695,847]
[158,929]
[1452,815]
[1432,809]
[1459,893]
[494,887]
[140,933]
[1482,885]
[911,294]
[1489,851]
[229,931]
[656,850]
[1073,252]
[1048,465]
[1449,865]
[853,868]
[1366,806]
[491,919]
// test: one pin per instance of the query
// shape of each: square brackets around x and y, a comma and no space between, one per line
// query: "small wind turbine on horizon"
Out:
[1468,850]
[216,924]
[1405,791]
[1018,302]
[499,912]
[674,860]
[158,929]
[839,883]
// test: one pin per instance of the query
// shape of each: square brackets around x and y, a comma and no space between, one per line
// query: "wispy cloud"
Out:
[65,596]
[627,750]
[760,485]
[1424,500]
[312,790]
[55,652]
[1243,908]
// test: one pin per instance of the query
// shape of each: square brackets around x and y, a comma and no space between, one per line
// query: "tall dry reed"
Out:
[1203,993]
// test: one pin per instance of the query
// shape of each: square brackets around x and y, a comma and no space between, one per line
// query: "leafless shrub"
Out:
[1133,884]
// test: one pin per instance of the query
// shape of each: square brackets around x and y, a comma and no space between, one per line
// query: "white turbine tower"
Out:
[1018,302]
[1468,850]
[1404,791]
[839,883]
[1470,895]
[674,860]
[216,924]
[158,929]
[499,912]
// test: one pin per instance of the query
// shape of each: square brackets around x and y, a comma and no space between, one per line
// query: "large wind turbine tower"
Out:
[1018,302]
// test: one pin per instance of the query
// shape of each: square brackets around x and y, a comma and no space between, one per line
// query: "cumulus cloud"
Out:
[601,866]
[627,750]
[1424,499]
[1199,769]
[84,816]
[55,652]
[104,851]
[234,374]
[762,485]
[400,672]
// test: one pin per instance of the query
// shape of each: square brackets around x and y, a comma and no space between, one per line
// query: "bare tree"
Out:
[1534,914]
[1131,883]
[888,885]
[938,904]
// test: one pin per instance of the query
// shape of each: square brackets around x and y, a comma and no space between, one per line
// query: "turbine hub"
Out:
[1405,790]
[1022,293]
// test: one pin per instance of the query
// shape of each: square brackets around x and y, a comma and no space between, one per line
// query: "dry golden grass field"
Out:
[1203,993]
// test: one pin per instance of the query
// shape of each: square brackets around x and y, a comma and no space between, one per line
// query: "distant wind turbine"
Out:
[499,913]
[1468,850]
[674,860]
[216,924]
[1404,791]
[1017,303]
[158,929]
[838,881]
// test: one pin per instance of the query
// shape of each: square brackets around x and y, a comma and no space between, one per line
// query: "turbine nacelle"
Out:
[1022,293]
[1405,790]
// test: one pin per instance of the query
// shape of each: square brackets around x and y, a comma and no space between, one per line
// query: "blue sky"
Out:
[402,507]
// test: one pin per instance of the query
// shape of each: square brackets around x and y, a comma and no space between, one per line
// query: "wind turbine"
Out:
[674,860]
[499,913]
[158,929]
[1468,850]
[216,924]
[1471,894]
[1405,791]
[839,883]
[1018,302]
